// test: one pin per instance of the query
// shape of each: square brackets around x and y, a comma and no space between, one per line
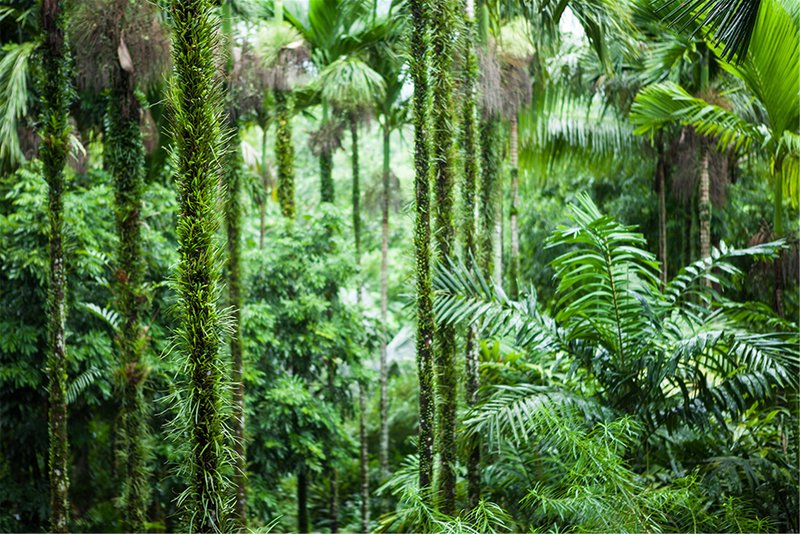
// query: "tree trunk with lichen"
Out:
[442,53]
[196,99]
[284,153]
[56,93]
[124,158]
[468,231]
[422,244]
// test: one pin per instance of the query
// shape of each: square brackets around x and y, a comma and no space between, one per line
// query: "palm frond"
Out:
[15,67]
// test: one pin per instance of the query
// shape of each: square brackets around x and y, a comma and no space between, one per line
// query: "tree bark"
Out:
[262,207]
[488,195]
[704,203]
[384,423]
[54,148]
[513,271]
[422,244]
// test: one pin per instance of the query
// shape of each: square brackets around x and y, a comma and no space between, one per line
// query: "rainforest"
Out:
[440,266]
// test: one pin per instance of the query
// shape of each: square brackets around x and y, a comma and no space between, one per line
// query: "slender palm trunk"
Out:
[284,153]
[662,216]
[704,203]
[442,55]
[196,99]
[778,231]
[513,270]
[233,223]
[384,416]
[362,430]
[326,192]
[488,195]
[302,499]
[422,243]
[124,157]
[470,151]
[262,207]
[55,142]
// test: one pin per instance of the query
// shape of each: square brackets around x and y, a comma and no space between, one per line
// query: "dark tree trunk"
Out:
[662,216]
[302,500]
[53,151]
[422,244]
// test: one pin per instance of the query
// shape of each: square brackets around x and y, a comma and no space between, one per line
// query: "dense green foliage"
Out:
[561,294]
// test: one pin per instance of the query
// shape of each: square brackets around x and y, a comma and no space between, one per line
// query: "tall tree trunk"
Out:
[362,430]
[302,500]
[284,153]
[777,227]
[662,215]
[704,205]
[262,207]
[55,87]
[470,148]
[513,269]
[196,99]
[422,243]
[326,192]
[233,222]
[442,55]
[488,194]
[384,423]
[124,157]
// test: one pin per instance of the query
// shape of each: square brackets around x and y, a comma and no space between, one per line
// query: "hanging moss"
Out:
[196,128]
[124,157]
[468,229]
[284,153]
[442,53]
[422,242]
[56,94]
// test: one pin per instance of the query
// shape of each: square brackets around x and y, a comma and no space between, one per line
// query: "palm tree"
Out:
[56,94]
[422,242]
[468,230]
[196,127]
[771,122]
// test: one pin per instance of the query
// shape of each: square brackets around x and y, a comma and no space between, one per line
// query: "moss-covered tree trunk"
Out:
[233,225]
[422,242]
[487,207]
[124,157]
[513,268]
[384,401]
[265,180]
[364,456]
[442,53]
[56,94]
[326,191]
[468,230]
[284,153]
[196,124]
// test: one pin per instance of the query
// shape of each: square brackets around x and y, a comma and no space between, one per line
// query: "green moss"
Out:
[284,153]
[487,208]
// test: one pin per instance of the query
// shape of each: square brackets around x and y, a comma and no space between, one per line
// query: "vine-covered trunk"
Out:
[326,191]
[384,401]
[513,268]
[56,92]
[422,243]
[124,157]
[284,153]
[196,108]
[442,46]
[262,205]
[468,230]
[662,216]
[233,225]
